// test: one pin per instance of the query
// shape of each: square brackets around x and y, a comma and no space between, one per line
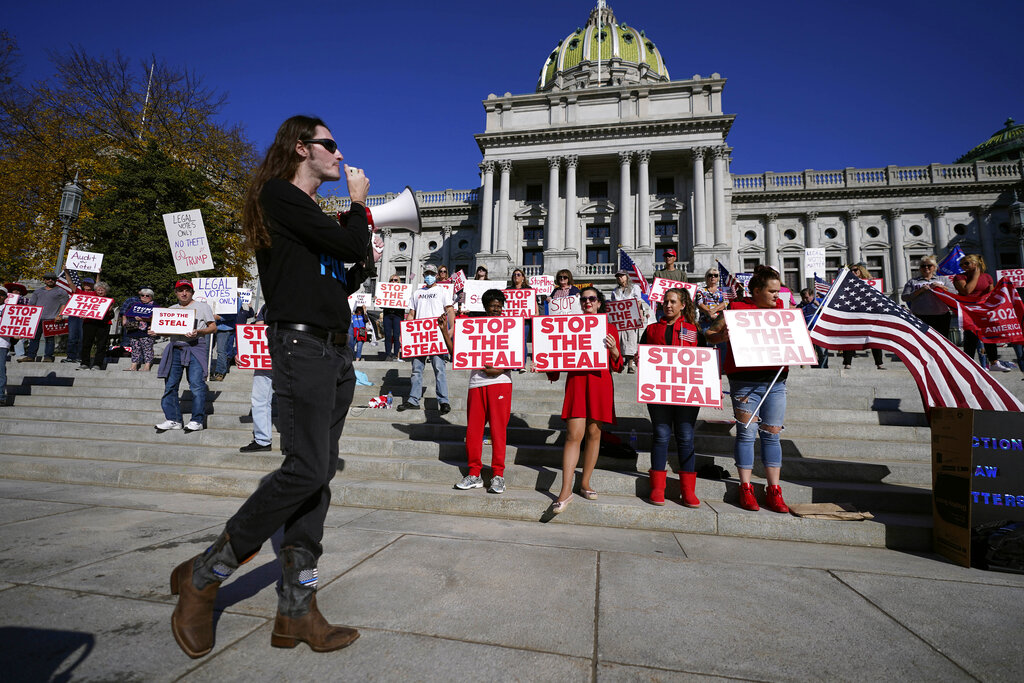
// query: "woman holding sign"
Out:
[677,328]
[589,402]
[137,319]
[96,333]
[753,390]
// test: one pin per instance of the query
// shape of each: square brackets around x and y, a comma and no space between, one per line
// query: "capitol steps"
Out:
[96,427]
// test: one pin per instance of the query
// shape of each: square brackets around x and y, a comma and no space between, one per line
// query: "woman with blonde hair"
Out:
[976,284]
[861,271]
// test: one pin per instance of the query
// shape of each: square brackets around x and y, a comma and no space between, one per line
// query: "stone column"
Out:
[501,240]
[625,207]
[718,178]
[853,236]
[446,251]
[487,209]
[771,244]
[700,230]
[643,197]
[572,228]
[553,234]
[386,267]
[940,228]
[811,231]
[899,256]
[987,239]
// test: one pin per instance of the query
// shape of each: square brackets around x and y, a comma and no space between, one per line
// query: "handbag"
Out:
[361,335]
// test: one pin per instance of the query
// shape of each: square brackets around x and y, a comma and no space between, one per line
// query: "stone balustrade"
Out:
[597,269]
[437,198]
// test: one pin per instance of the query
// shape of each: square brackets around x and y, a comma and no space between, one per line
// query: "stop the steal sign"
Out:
[173,320]
[769,337]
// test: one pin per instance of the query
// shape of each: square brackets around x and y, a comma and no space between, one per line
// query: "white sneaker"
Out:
[193,426]
[168,424]
[998,366]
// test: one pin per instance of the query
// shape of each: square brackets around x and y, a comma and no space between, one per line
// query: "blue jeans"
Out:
[260,399]
[225,350]
[441,386]
[357,346]
[33,345]
[392,335]
[3,372]
[74,337]
[665,419]
[196,382]
[746,396]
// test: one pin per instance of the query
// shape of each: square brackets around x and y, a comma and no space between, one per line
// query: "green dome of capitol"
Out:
[627,56]
[1006,144]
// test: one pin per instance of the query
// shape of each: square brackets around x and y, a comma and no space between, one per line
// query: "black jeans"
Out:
[876,355]
[94,333]
[314,382]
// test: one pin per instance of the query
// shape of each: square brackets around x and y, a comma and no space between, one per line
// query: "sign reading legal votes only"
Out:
[769,336]
[542,284]
[173,320]
[519,303]
[20,322]
[625,314]
[253,352]
[569,342]
[679,376]
[392,295]
[187,236]
[87,306]
[565,305]
[495,342]
[88,261]
[221,293]
[422,338]
[662,285]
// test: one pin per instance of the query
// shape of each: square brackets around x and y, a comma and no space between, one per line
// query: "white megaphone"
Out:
[401,212]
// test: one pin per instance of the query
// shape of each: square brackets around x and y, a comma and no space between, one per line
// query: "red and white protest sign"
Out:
[52,328]
[20,322]
[88,261]
[768,337]
[662,285]
[519,303]
[625,314]
[12,299]
[1014,275]
[495,342]
[173,320]
[87,306]
[253,352]
[678,376]
[448,287]
[542,284]
[570,342]
[878,284]
[393,295]
[475,290]
[565,305]
[187,237]
[359,299]
[422,338]
[458,280]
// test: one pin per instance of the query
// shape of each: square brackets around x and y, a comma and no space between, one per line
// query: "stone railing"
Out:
[438,198]
[533,270]
[889,176]
[597,269]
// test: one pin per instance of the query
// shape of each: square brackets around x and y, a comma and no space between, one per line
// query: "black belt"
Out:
[336,338]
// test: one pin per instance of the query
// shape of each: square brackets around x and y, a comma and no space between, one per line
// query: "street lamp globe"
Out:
[71,201]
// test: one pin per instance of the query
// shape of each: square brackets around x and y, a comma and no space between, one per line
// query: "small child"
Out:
[810,305]
[489,401]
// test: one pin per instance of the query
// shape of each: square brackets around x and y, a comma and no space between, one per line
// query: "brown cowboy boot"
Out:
[298,619]
[195,582]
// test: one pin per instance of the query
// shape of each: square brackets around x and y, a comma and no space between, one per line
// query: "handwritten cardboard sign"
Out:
[519,303]
[542,284]
[662,285]
[253,352]
[422,338]
[495,342]
[393,295]
[84,260]
[625,314]
[1015,275]
[475,289]
[221,293]
[12,299]
[570,342]
[359,299]
[173,320]
[187,237]
[87,306]
[769,337]
[20,322]
[52,328]
[565,305]
[814,262]
[678,376]
[458,280]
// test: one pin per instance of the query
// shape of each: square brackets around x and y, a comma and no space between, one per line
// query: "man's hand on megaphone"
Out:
[358,184]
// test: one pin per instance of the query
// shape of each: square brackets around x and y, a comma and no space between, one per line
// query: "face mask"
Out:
[429,280]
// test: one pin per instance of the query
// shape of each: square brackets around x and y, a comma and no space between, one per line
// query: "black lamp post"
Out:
[70,206]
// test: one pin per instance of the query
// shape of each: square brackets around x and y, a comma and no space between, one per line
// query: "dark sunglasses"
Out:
[330,145]
[563,277]
[588,298]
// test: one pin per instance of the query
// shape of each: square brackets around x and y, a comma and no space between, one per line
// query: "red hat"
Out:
[670,252]
[16,287]
[184,283]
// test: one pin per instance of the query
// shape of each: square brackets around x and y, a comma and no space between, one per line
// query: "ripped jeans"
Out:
[745,398]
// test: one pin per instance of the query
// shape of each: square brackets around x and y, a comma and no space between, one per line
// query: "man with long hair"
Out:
[301,253]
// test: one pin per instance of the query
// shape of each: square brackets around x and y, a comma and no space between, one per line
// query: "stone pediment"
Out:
[667,205]
[598,207]
[532,210]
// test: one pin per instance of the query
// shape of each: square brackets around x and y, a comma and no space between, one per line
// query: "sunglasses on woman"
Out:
[588,298]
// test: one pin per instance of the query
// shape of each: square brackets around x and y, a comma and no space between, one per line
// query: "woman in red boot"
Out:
[751,387]
[589,402]
[677,328]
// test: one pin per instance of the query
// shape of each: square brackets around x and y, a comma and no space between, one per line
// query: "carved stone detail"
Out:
[554,162]
[572,161]
[505,165]
[487,166]
[643,156]
[625,157]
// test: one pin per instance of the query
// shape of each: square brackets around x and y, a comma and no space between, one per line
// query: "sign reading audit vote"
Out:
[253,352]
[569,342]
[19,322]
[678,376]
[173,320]
[422,338]
[768,337]
[489,342]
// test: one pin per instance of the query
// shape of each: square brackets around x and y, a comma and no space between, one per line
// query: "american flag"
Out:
[855,316]
[69,281]
[687,336]
[626,263]
[727,282]
[820,286]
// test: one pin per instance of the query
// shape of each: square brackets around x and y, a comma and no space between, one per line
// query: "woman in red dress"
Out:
[589,402]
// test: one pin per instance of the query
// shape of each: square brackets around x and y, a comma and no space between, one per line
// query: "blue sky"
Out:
[813,84]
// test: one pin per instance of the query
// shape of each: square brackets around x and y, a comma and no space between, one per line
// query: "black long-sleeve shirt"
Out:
[303,272]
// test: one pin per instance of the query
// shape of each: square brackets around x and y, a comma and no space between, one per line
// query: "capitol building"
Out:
[610,152]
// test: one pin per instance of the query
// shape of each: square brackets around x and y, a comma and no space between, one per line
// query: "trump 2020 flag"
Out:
[855,316]
[951,264]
